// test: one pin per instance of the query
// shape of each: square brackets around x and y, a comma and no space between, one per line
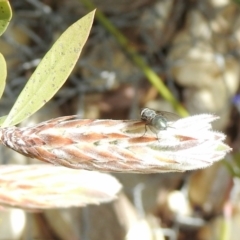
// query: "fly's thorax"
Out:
[159,122]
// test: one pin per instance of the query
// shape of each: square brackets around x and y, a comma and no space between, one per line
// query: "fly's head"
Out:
[147,115]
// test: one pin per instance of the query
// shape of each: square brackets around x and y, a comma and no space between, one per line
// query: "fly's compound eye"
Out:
[144,118]
[144,114]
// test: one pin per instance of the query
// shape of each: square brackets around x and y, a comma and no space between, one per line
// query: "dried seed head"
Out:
[42,186]
[119,146]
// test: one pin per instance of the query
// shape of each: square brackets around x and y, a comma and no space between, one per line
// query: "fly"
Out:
[157,120]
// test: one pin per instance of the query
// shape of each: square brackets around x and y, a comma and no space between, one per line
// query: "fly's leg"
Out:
[145,130]
[152,129]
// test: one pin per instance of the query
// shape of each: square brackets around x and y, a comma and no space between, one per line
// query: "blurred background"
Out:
[194,47]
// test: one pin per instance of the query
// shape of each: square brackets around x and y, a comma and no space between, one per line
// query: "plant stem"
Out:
[138,60]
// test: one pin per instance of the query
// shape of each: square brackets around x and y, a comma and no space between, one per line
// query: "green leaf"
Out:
[2,119]
[5,15]
[3,74]
[52,71]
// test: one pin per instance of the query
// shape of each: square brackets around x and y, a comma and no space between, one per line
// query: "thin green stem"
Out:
[225,230]
[138,60]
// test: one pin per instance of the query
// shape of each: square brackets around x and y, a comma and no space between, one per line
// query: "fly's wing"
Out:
[171,117]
